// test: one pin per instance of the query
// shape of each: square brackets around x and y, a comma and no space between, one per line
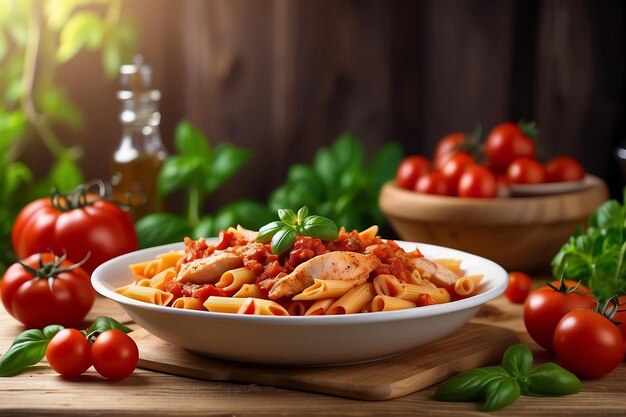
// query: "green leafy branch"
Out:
[199,170]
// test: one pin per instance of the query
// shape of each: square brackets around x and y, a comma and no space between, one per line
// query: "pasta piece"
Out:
[387,285]
[168,260]
[152,268]
[324,288]
[298,308]
[162,278]
[143,282]
[188,303]
[319,307]
[368,235]
[412,292]
[138,269]
[223,304]
[354,301]
[231,281]
[250,290]
[467,285]
[146,294]
[387,303]
[261,307]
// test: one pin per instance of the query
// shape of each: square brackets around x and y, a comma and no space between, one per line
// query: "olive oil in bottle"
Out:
[140,154]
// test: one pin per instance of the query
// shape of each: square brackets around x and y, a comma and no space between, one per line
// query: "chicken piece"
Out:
[339,265]
[208,270]
[435,272]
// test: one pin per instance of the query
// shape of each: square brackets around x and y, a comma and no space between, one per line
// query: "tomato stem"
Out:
[53,268]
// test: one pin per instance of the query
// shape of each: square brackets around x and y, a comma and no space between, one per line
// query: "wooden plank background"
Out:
[285,77]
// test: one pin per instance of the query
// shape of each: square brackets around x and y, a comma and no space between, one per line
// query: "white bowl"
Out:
[302,341]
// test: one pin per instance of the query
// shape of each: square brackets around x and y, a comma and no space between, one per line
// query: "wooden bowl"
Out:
[519,233]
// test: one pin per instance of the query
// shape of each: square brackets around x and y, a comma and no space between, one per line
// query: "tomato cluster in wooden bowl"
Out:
[466,167]
[493,198]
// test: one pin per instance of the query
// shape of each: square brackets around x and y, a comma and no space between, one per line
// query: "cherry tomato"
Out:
[79,224]
[564,168]
[588,344]
[448,146]
[519,287]
[525,170]
[432,183]
[454,167]
[50,290]
[68,353]
[114,354]
[410,169]
[505,143]
[477,182]
[546,306]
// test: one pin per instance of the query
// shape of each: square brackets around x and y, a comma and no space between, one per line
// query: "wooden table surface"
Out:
[40,391]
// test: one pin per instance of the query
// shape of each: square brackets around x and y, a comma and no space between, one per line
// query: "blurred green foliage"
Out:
[36,38]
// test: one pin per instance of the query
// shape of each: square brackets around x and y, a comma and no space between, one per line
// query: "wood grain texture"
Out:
[40,392]
[472,346]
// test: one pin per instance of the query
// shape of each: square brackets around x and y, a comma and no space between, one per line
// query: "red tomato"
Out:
[432,183]
[505,143]
[620,317]
[454,167]
[478,182]
[53,293]
[525,170]
[588,344]
[519,287]
[69,353]
[545,307]
[114,354]
[92,225]
[410,169]
[564,168]
[448,146]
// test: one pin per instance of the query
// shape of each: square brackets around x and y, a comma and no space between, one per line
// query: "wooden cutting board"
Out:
[472,346]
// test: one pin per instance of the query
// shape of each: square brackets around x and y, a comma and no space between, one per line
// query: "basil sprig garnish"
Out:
[29,347]
[283,232]
[499,386]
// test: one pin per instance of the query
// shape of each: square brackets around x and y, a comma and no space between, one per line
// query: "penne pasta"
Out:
[261,307]
[298,308]
[387,303]
[387,285]
[168,260]
[146,294]
[467,285]
[223,304]
[324,288]
[412,292]
[453,265]
[250,290]
[319,307]
[163,277]
[231,281]
[188,303]
[354,301]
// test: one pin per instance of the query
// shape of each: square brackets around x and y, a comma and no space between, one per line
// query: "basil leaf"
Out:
[288,216]
[551,379]
[303,213]
[500,392]
[190,141]
[517,360]
[28,348]
[180,171]
[469,385]
[102,324]
[227,160]
[283,239]
[320,227]
[161,228]
[269,230]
